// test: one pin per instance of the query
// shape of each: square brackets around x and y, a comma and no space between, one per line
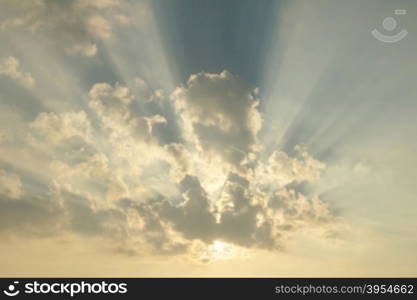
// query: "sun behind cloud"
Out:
[114,174]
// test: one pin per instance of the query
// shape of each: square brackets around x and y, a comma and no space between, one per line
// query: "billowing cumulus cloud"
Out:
[220,111]
[112,174]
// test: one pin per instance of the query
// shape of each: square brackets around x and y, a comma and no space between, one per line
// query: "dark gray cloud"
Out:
[29,216]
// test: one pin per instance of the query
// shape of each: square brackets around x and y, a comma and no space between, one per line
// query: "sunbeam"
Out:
[224,138]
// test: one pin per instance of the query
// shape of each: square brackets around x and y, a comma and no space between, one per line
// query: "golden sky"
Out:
[236,139]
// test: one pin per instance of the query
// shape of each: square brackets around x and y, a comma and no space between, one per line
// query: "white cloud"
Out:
[91,177]
[10,67]
[112,106]
[281,169]
[58,127]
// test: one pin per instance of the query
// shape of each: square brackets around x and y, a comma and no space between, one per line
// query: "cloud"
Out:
[85,219]
[91,176]
[179,159]
[74,25]
[192,216]
[61,213]
[59,127]
[211,188]
[10,185]
[10,67]
[112,106]
[220,112]
[127,131]
[32,216]
[99,27]
[241,216]
[153,234]
[282,170]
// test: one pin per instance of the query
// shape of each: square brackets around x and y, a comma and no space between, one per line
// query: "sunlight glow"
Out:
[220,251]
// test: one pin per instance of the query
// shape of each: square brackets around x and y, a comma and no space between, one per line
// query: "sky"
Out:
[208,138]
